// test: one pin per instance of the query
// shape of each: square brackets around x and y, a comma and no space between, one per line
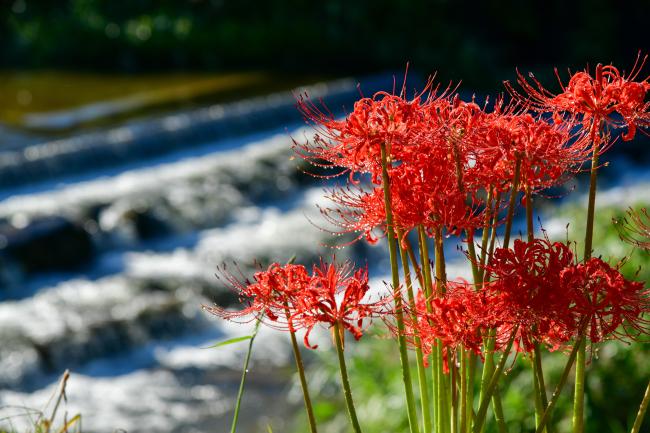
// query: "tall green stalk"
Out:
[492,386]
[240,393]
[488,248]
[422,376]
[539,374]
[464,379]
[303,380]
[579,391]
[416,267]
[392,249]
[488,367]
[558,389]
[485,235]
[435,356]
[469,415]
[539,407]
[425,260]
[529,214]
[473,259]
[636,428]
[467,387]
[352,413]
[511,205]
[539,386]
[444,383]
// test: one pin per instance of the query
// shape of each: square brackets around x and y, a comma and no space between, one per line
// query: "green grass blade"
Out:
[240,393]
[229,342]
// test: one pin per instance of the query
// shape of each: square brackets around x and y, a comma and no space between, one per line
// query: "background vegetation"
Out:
[479,42]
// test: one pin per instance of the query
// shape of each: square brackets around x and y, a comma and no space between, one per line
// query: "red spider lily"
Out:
[293,299]
[594,98]
[548,295]
[336,294]
[356,211]
[612,306]
[462,316]
[271,295]
[528,277]
[635,228]
[416,199]
[353,143]
[547,152]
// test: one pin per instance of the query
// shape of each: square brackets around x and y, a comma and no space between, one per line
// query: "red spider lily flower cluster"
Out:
[540,291]
[288,297]
[337,294]
[269,296]
[546,152]
[444,155]
[462,316]
[612,306]
[607,96]
[548,296]
[529,279]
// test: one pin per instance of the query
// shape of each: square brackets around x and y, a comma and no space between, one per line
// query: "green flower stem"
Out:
[539,408]
[444,384]
[541,400]
[422,376]
[467,377]
[303,379]
[489,345]
[494,380]
[392,249]
[441,272]
[488,370]
[497,406]
[240,393]
[539,376]
[453,375]
[452,367]
[414,263]
[470,391]
[493,237]
[443,391]
[464,379]
[558,389]
[338,330]
[435,362]
[437,407]
[529,214]
[511,204]
[486,232]
[425,260]
[487,242]
[579,390]
[636,428]
[488,365]
[471,249]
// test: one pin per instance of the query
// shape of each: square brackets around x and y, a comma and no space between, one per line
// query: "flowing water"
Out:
[109,242]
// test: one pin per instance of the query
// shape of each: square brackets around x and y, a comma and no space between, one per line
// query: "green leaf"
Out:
[228,342]
[268,428]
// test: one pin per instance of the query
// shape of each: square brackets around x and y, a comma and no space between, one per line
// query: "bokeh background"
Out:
[143,143]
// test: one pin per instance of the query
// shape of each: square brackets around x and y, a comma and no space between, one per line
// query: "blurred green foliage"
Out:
[616,377]
[480,42]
